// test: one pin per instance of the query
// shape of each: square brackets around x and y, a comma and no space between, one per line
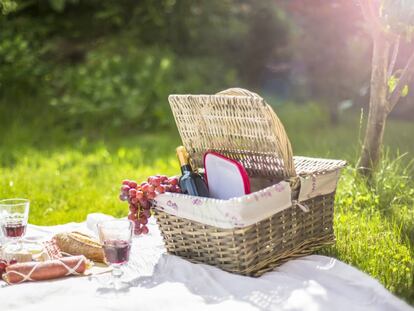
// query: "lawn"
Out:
[67,175]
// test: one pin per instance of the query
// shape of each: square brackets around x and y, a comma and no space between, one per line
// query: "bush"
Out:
[132,85]
[117,62]
[20,68]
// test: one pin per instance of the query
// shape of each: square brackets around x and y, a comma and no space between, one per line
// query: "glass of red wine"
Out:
[115,236]
[14,214]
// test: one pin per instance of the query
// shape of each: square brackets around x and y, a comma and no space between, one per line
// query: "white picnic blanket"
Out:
[158,281]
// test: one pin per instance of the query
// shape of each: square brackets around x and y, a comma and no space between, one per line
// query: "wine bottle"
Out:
[190,182]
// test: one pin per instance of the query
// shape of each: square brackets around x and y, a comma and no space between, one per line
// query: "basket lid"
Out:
[238,124]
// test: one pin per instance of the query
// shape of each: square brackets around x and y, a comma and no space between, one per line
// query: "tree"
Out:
[390,22]
[7,6]
[266,40]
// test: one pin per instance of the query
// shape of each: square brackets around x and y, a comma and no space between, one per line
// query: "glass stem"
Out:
[116,275]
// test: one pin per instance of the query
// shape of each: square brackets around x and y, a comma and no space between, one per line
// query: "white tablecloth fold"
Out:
[159,281]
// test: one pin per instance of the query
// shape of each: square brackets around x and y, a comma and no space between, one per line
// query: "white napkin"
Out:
[93,219]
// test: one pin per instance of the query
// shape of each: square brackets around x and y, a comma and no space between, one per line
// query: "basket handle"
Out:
[284,148]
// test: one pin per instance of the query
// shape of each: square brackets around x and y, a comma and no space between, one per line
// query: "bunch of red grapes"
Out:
[140,197]
[4,264]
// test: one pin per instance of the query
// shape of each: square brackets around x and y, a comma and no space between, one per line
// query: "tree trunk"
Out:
[371,150]
[333,105]
[333,114]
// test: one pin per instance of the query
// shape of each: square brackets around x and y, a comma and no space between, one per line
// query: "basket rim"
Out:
[259,99]
[237,212]
[336,165]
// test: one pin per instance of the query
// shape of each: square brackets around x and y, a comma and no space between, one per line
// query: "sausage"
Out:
[46,270]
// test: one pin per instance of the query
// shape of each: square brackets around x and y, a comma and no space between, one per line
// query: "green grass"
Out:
[67,183]
[371,234]
[68,175]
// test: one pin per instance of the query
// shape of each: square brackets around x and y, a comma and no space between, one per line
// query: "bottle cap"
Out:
[183,156]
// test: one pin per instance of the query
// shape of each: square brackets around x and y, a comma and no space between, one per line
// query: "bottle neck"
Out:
[183,159]
[186,168]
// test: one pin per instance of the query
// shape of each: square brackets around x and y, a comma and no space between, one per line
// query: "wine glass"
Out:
[115,236]
[14,214]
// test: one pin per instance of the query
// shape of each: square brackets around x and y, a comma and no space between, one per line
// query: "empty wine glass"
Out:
[14,214]
[115,236]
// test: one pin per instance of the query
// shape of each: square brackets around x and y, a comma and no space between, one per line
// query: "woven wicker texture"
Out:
[238,124]
[306,166]
[255,249]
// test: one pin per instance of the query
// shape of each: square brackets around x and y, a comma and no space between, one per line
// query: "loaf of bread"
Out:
[76,243]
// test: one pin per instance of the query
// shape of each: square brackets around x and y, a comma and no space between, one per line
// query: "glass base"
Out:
[112,285]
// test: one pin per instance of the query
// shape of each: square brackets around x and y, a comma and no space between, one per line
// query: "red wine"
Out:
[14,230]
[190,182]
[117,251]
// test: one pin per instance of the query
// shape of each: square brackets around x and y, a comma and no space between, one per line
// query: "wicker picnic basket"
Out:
[240,125]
